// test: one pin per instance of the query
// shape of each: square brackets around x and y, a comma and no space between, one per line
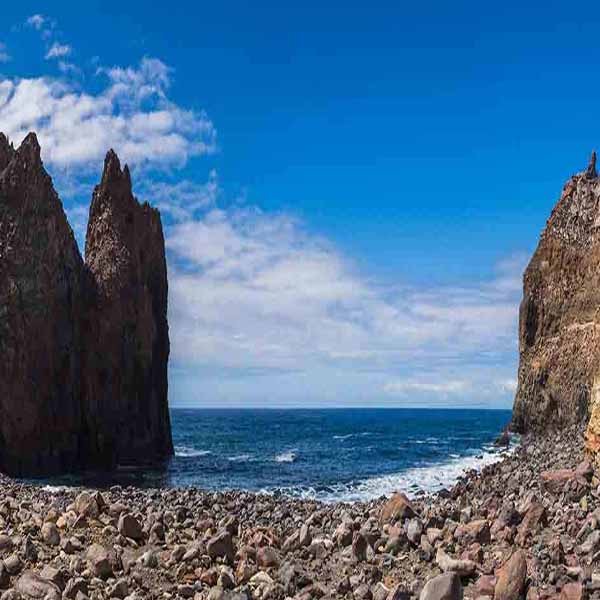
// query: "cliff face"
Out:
[40,304]
[83,347]
[127,333]
[559,324]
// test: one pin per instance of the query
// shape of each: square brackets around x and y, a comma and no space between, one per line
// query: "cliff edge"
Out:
[559,318]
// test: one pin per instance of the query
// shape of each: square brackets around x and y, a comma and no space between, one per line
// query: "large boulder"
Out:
[398,507]
[512,577]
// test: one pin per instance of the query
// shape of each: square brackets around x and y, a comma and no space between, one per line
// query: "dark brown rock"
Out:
[83,375]
[127,331]
[40,308]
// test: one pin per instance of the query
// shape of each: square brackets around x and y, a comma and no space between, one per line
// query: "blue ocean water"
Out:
[330,454]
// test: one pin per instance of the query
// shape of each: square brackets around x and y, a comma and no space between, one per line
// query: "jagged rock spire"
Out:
[590,172]
[84,347]
[7,151]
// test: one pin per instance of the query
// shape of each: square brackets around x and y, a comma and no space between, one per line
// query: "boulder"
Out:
[443,587]
[511,577]
[398,507]
[31,586]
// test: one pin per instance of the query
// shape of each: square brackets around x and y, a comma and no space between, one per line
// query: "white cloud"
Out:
[4,55]
[36,21]
[250,290]
[132,114]
[57,50]
[443,388]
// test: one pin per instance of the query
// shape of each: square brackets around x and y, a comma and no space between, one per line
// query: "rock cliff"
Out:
[84,346]
[127,335]
[559,320]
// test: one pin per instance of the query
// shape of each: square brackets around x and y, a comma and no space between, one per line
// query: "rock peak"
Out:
[83,380]
[7,151]
[590,172]
[30,148]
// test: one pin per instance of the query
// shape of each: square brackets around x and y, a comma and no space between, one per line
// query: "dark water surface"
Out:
[329,454]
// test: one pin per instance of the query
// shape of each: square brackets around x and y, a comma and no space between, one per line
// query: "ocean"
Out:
[330,454]
[325,454]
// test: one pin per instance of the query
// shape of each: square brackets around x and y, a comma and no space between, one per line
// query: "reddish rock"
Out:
[572,591]
[396,508]
[512,577]
[534,518]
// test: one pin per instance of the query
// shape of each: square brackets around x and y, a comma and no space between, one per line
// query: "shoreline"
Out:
[441,475]
[130,542]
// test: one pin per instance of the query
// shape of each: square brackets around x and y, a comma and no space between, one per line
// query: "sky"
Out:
[350,191]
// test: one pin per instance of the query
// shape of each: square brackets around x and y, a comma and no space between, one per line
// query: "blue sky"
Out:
[349,192]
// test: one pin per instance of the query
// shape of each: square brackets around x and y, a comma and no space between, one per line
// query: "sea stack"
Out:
[559,320]
[84,346]
[127,335]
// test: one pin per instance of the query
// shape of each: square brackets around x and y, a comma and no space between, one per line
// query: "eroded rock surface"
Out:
[84,347]
[559,325]
[40,317]
[127,335]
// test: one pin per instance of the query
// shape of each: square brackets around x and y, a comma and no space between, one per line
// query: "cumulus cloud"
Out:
[57,50]
[131,114]
[251,290]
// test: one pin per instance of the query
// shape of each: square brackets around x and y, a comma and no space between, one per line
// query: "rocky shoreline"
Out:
[527,526]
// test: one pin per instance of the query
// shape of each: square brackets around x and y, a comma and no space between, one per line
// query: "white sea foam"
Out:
[289,456]
[187,451]
[241,458]
[351,435]
[426,479]
[55,489]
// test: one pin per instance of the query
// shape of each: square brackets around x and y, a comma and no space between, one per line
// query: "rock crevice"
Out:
[84,345]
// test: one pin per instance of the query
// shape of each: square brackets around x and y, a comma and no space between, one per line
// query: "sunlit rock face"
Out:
[559,324]
[83,347]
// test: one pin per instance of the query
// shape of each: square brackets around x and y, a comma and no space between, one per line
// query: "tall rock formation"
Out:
[559,321]
[40,308]
[127,334]
[83,347]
